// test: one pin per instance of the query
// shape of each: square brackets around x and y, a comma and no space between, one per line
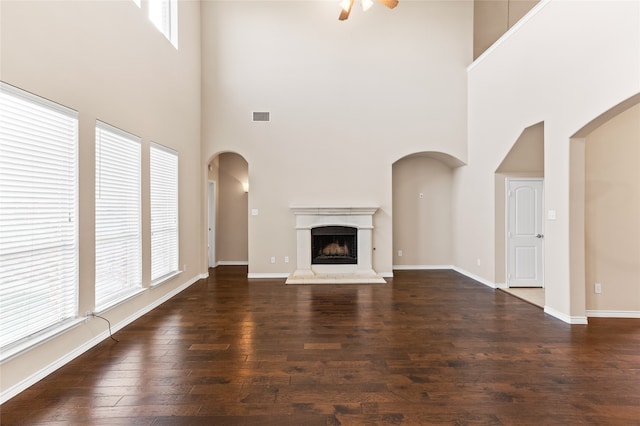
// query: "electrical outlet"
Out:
[273,259]
[478,261]
[184,267]
[399,253]
[286,259]
[598,288]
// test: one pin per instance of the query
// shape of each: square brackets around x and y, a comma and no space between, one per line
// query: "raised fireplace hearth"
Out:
[334,245]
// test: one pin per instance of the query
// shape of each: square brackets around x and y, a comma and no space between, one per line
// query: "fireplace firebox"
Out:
[334,245]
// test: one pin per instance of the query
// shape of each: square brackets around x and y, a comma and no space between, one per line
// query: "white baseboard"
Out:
[474,277]
[613,314]
[564,317]
[271,275]
[39,375]
[232,263]
[386,274]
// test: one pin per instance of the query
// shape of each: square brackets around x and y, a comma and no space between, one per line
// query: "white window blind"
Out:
[118,217]
[38,215]
[164,15]
[164,211]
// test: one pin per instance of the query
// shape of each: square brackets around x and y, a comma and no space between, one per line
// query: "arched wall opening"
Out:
[228,201]
[422,200]
[605,212]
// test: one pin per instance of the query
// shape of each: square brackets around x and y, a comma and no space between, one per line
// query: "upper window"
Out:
[164,15]
[38,215]
[118,218]
[164,212]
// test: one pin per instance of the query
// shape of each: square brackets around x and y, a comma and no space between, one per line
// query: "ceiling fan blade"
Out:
[344,13]
[389,3]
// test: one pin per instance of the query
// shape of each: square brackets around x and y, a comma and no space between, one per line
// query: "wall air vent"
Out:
[261,116]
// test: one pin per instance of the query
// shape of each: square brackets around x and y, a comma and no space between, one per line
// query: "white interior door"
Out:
[525,233]
[211,237]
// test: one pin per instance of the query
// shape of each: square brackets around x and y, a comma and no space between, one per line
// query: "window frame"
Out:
[45,132]
[169,25]
[161,197]
[127,248]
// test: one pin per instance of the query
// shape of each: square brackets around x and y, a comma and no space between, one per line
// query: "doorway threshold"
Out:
[533,295]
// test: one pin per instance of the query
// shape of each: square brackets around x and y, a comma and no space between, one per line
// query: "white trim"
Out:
[334,210]
[253,275]
[163,148]
[118,131]
[613,314]
[386,274]
[212,191]
[563,317]
[420,267]
[39,100]
[39,375]
[509,33]
[474,277]
[232,263]
[120,301]
[501,285]
[39,338]
[163,279]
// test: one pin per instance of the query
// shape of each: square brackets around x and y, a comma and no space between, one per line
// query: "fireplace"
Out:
[334,245]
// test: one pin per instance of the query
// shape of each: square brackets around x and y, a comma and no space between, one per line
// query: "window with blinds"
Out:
[118,217]
[164,212]
[164,15]
[38,215]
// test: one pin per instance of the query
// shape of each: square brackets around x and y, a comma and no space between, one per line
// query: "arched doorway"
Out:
[422,187]
[227,192]
[605,207]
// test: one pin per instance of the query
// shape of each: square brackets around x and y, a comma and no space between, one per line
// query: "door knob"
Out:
[539,236]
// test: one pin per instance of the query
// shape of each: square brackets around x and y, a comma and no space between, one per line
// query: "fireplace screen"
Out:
[331,245]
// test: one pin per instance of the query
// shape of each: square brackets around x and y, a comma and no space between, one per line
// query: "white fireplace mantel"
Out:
[359,217]
[333,211]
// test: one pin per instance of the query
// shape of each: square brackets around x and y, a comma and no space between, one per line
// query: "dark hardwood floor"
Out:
[429,347]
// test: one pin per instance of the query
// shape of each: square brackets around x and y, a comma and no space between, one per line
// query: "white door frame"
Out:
[540,231]
[211,224]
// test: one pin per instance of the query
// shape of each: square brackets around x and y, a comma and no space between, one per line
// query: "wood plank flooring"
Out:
[429,347]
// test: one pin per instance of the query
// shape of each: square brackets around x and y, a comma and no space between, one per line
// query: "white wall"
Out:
[107,61]
[347,99]
[565,66]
